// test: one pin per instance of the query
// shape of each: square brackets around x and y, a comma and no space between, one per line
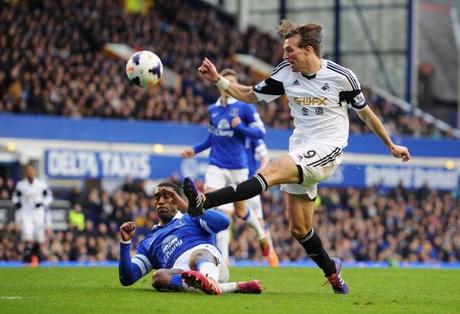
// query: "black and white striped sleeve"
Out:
[272,87]
[351,89]
[355,97]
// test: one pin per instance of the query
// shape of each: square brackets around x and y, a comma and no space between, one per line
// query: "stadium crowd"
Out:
[64,70]
[52,62]
[372,224]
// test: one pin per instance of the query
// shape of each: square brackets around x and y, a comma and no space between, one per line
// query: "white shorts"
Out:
[255,204]
[318,162]
[216,178]
[183,261]
[33,224]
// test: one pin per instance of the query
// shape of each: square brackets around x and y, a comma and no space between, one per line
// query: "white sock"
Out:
[229,287]
[252,220]
[268,235]
[223,243]
[209,269]
[187,288]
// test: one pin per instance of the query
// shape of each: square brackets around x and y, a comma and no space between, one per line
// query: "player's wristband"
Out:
[125,242]
[222,83]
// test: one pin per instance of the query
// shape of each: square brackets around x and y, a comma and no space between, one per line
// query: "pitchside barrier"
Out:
[58,211]
[76,149]
[248,263]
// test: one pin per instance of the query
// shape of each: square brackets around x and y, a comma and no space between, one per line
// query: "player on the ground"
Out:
[32,197]
[180,249]
[258,158]
[230,123]
[319,93]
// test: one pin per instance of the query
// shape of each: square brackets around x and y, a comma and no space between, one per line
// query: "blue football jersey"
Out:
[166,243]
[254,149]
[227,143]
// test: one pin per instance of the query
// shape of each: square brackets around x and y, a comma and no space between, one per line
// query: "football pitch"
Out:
[287,290]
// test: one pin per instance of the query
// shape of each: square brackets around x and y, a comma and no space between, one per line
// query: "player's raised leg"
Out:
[278,171]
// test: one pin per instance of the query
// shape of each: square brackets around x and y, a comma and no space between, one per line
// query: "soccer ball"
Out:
[144,69]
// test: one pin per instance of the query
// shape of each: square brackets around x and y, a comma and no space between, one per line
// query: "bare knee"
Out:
[300,213]
[161,279]
[281,170]
[300,229]
[201,255]
[240,209]
[299,232]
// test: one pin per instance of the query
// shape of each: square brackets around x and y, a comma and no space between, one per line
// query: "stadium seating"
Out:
[65,72]
[371,224]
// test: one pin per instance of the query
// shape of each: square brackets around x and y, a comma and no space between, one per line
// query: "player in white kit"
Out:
[319,93]
[32,198]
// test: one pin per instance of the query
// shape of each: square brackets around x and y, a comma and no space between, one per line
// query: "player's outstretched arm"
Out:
[374,123]
[252,132]
[214,221]
[128,272]
[187,153]
[241,92]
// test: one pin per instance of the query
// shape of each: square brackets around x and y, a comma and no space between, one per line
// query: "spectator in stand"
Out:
[76,217]
[32,197]
[54,65]
[359,224]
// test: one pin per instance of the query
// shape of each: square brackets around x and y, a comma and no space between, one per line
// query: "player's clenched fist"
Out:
[209,71]
[127,230]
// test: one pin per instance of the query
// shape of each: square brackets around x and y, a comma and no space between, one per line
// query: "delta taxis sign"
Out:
[94,164]
[89,164]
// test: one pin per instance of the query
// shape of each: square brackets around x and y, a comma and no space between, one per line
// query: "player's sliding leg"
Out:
[204,273]
[300,215]
[166,280]
[251,287]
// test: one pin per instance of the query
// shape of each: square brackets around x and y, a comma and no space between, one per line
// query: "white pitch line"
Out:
[10,297]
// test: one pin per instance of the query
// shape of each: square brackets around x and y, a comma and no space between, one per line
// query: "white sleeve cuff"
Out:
[125,242]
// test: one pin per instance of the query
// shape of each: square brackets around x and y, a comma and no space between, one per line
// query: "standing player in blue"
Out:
[180,249]
[319,92]
[231,122]
[258,158]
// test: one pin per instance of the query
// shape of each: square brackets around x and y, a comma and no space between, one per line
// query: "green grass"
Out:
[288,290]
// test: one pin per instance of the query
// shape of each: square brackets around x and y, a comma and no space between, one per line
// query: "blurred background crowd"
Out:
[356,225]
[52,63]
[64,71]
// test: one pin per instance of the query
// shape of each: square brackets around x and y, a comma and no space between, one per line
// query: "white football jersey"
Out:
[31,196]
[319,103]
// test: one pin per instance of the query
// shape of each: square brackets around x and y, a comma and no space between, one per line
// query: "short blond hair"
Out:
[228,71]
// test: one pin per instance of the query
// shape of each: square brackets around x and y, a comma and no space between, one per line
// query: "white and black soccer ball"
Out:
[144,69]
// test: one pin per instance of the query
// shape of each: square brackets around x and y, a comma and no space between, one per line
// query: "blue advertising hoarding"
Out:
[83,164]
[86,164]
